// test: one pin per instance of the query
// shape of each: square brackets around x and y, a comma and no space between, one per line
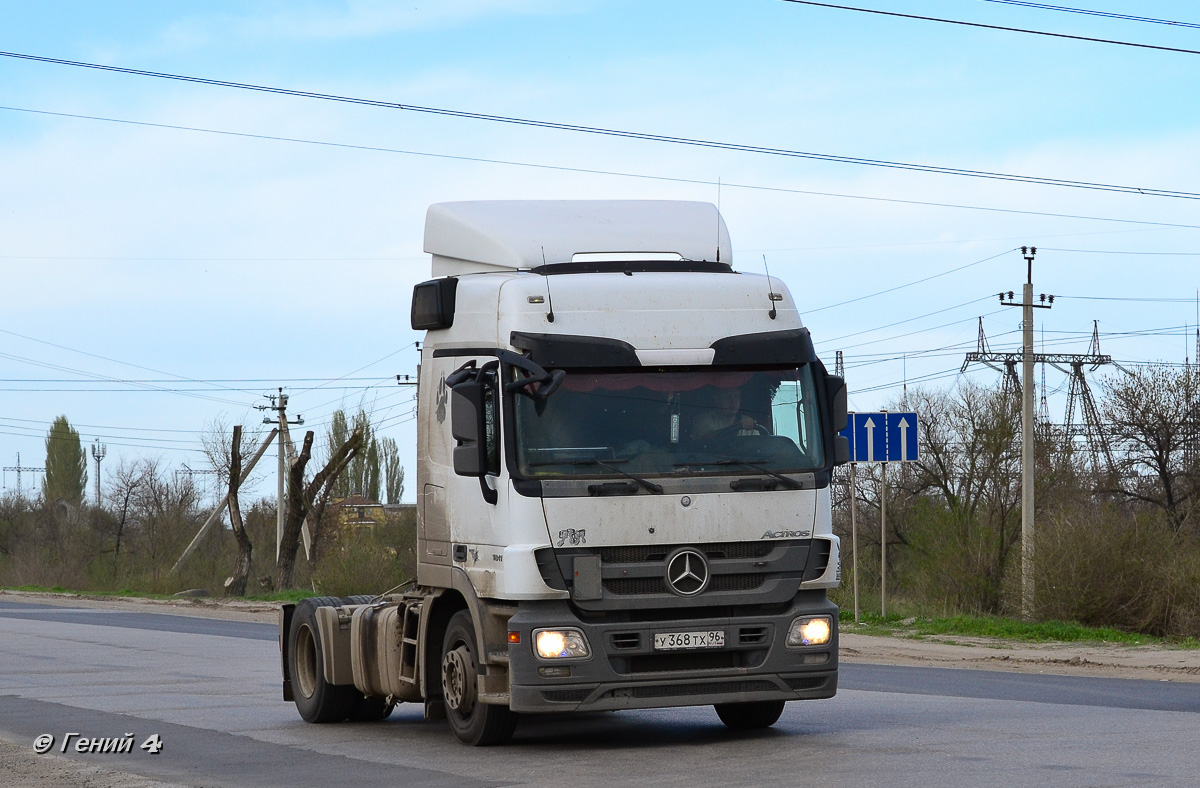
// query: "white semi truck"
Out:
[624,451]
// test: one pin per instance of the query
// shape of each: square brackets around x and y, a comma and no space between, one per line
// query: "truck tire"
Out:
[750,716]
[474,723]
[316,699]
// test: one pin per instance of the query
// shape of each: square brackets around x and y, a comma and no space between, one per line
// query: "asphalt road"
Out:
[210,689]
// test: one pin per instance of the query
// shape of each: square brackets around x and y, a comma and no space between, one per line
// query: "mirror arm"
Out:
[548,381]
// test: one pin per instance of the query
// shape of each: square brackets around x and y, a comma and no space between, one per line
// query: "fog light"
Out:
[557,672]
[560,644]
[810,632]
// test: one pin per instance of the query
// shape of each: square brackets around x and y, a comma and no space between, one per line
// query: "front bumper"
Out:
[624,670]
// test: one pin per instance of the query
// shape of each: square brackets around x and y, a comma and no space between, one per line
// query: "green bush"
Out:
[368,560]
[1104,566]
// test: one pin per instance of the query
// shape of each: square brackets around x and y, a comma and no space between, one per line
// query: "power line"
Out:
[995,27]
[1089,12]
[913,333]
[635,135]
[197,259]
[583,170]
[909,284]
[96,376]
[212,381]
[1117,251]
[96,356]
[907,320]
[1131,298]
[161,390]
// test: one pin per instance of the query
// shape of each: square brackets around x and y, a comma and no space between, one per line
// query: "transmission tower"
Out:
[18,468]
[1079,393]
[1102,459]
[98,452]
[192,473]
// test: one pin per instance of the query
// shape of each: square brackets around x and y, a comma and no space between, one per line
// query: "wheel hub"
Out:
[458,680]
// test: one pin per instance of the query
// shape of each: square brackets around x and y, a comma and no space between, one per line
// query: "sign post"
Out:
[878,437]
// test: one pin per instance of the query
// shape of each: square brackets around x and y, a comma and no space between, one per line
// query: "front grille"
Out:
[633,577]
[736,582]
[566,696]
[637,586]
[806,683]
[818,560]
[633,554]
[625,640]
[752,636]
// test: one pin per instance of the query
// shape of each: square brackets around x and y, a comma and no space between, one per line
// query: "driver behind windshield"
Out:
[722,414]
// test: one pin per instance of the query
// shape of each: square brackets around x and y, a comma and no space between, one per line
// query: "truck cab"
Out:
[623,468]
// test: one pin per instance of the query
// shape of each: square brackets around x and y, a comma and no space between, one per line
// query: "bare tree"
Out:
[1153,416]
[122,491]
[216,442]
[236,585]
[305,499]
[965,487]
[163,511]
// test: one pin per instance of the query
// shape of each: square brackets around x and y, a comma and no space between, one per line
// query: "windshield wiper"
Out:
[790,482]
[649,485]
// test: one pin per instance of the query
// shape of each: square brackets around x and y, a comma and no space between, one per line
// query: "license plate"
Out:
[665,641]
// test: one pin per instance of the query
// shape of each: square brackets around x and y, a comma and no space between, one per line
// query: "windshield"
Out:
[648,423]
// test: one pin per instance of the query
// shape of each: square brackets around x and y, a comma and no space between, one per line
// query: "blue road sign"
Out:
[901,437]
[882,437]
[870,437]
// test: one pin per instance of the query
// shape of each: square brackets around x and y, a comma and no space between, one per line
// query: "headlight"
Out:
[560,644]
[810,632]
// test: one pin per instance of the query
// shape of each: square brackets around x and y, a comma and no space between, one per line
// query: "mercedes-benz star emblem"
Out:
[687,572]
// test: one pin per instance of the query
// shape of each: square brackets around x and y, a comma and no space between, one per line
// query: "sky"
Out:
[173,251]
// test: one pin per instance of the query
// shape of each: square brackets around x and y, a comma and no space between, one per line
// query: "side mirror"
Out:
[468,429]
[835,392]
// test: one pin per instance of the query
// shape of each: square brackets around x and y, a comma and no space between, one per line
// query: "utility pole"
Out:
[1027,305]
[1027,550]
[99,450]
[279,405]
[1027,357]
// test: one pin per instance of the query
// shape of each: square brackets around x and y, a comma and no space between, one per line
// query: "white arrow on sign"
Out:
[903,427]
[870,427]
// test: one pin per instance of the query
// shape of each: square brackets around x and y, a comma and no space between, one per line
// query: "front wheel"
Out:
[316,699]
[474,723]
[750,716]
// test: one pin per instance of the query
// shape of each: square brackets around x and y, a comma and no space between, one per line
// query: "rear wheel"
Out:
[316,699]
[474,723]
[750,716]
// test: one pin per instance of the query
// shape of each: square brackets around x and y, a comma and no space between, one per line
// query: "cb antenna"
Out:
[549,300]
[771,295]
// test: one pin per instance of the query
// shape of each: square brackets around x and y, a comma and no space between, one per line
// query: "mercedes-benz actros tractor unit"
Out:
[624,451]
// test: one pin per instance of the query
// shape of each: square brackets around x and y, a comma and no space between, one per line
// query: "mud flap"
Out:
[285,624]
